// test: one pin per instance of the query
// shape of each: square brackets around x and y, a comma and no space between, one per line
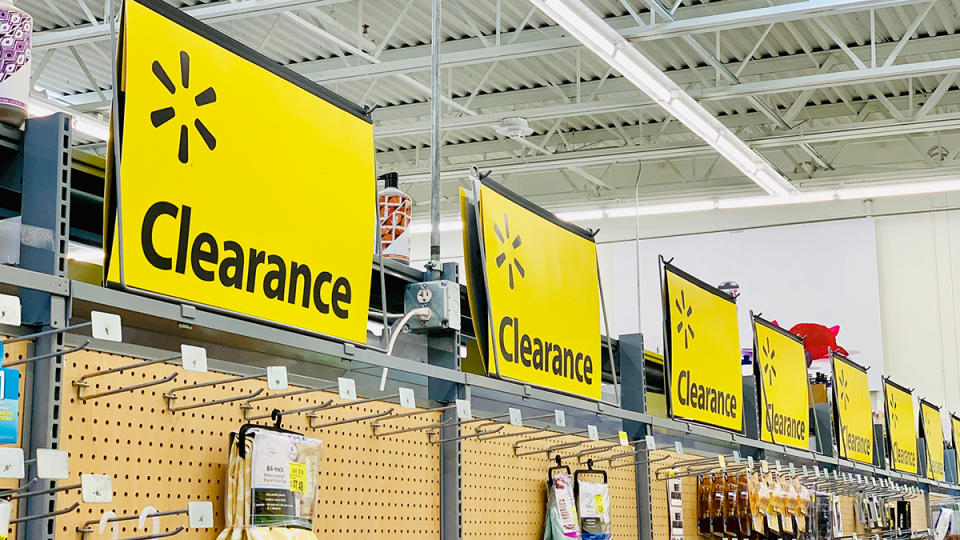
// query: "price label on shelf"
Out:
[407,399]
[777,464]
[298,477]
[804,469]
[464,411]
[9,310]
[277,379]
[516,418]
[722,462]
[736,457]
[347,388]
[651,442]
[678,446]
[559,418]
[200,514]
[52,464]
[592,433]
[790,468]
[106,326]
[11,463]
[96,488]
[624,440]
[764,466]
[750,462]
[193,358]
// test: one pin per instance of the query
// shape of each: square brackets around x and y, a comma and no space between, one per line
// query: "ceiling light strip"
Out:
[582,23]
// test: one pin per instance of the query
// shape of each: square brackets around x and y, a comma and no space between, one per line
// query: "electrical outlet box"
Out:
[443,299]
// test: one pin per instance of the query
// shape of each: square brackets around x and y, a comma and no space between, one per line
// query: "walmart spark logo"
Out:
[768,370]
[683,327]
[160,117]
[894,418]
[509,249]
[842,383]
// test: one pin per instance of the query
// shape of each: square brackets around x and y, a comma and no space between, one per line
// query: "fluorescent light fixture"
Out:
[767,200]
[660,209]
[445,226]
[569,15]
[893,190]
[581,215]
[97,129]
[598,36]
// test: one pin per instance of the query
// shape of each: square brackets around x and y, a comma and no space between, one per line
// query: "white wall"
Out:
[919,270]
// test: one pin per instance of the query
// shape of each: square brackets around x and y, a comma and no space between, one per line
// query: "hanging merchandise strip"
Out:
[12,353]
[183,454]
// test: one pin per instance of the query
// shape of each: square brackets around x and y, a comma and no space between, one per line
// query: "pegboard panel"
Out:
[504,495]
[370,488]
[919,512]
[11,353]
[659,504]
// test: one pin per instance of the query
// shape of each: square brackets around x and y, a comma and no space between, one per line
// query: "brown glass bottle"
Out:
[718,502]
[704,494]
[743,506]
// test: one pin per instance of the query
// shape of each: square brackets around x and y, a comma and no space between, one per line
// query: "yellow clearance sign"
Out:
[955,428]
[784,392]
[933,434]
[851,398]
[901,429]
[703,351]
[244,186]
[543,289]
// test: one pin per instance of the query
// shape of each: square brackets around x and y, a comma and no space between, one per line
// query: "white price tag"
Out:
[559,418]
[96,488]
[11,463]
[651,442]
[347,388]
[804,469]
[678,446]
[463,410]
[736,457]
[764,466]
[790,468]
[516,419]
[624,440]
[854,536]
[750,462]
[106,326]
[592,433]
[9,310]
[777,464]
[816,471]
[722,462]
[277,379]
[200,514]
[52,464]
[193,358]
[407,399]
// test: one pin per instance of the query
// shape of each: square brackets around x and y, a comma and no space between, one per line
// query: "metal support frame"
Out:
[44,240]
[634,398]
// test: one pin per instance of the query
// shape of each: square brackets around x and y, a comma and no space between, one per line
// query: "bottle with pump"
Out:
[717,504]
[704,494]
[394,208]
[16,31]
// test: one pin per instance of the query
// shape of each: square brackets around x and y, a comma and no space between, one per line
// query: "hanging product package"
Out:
[593,502]
[272,481]
[561,520]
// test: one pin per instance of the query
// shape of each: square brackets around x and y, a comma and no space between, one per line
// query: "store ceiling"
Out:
[800,81]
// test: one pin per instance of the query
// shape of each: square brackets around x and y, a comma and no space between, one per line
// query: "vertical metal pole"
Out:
[633,377]
[43,248]
[435,140]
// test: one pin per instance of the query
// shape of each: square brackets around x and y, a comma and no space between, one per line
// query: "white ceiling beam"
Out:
[210,13]
[622,103]
[604,156]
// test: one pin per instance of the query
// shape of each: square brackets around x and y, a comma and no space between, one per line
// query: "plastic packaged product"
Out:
[743,506]
[16,31]
[756,505]
[769,494]
[5,508]
[272,482]
[395,210]
[716,505]
[593,502]
[561,517]
[731,524]
[704,492]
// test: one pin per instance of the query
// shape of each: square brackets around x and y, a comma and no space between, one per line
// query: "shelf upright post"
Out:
[443,350]
[634,398]
[44,241]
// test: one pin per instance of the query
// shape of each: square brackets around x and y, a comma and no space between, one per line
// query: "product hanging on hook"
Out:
[593,503]
[561,519]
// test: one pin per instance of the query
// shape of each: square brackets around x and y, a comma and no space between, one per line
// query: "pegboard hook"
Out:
[327,406]
[246,408]
[25,519]
[641,462]
[277,416]
[81,383]
[378,433]
[348,420]
[171,396]
[47,355]
[478,433]
[554,448]
[87,528]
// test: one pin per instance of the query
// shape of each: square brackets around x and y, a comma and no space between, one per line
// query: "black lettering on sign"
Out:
[210,260]
[540,354]
[705,398]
